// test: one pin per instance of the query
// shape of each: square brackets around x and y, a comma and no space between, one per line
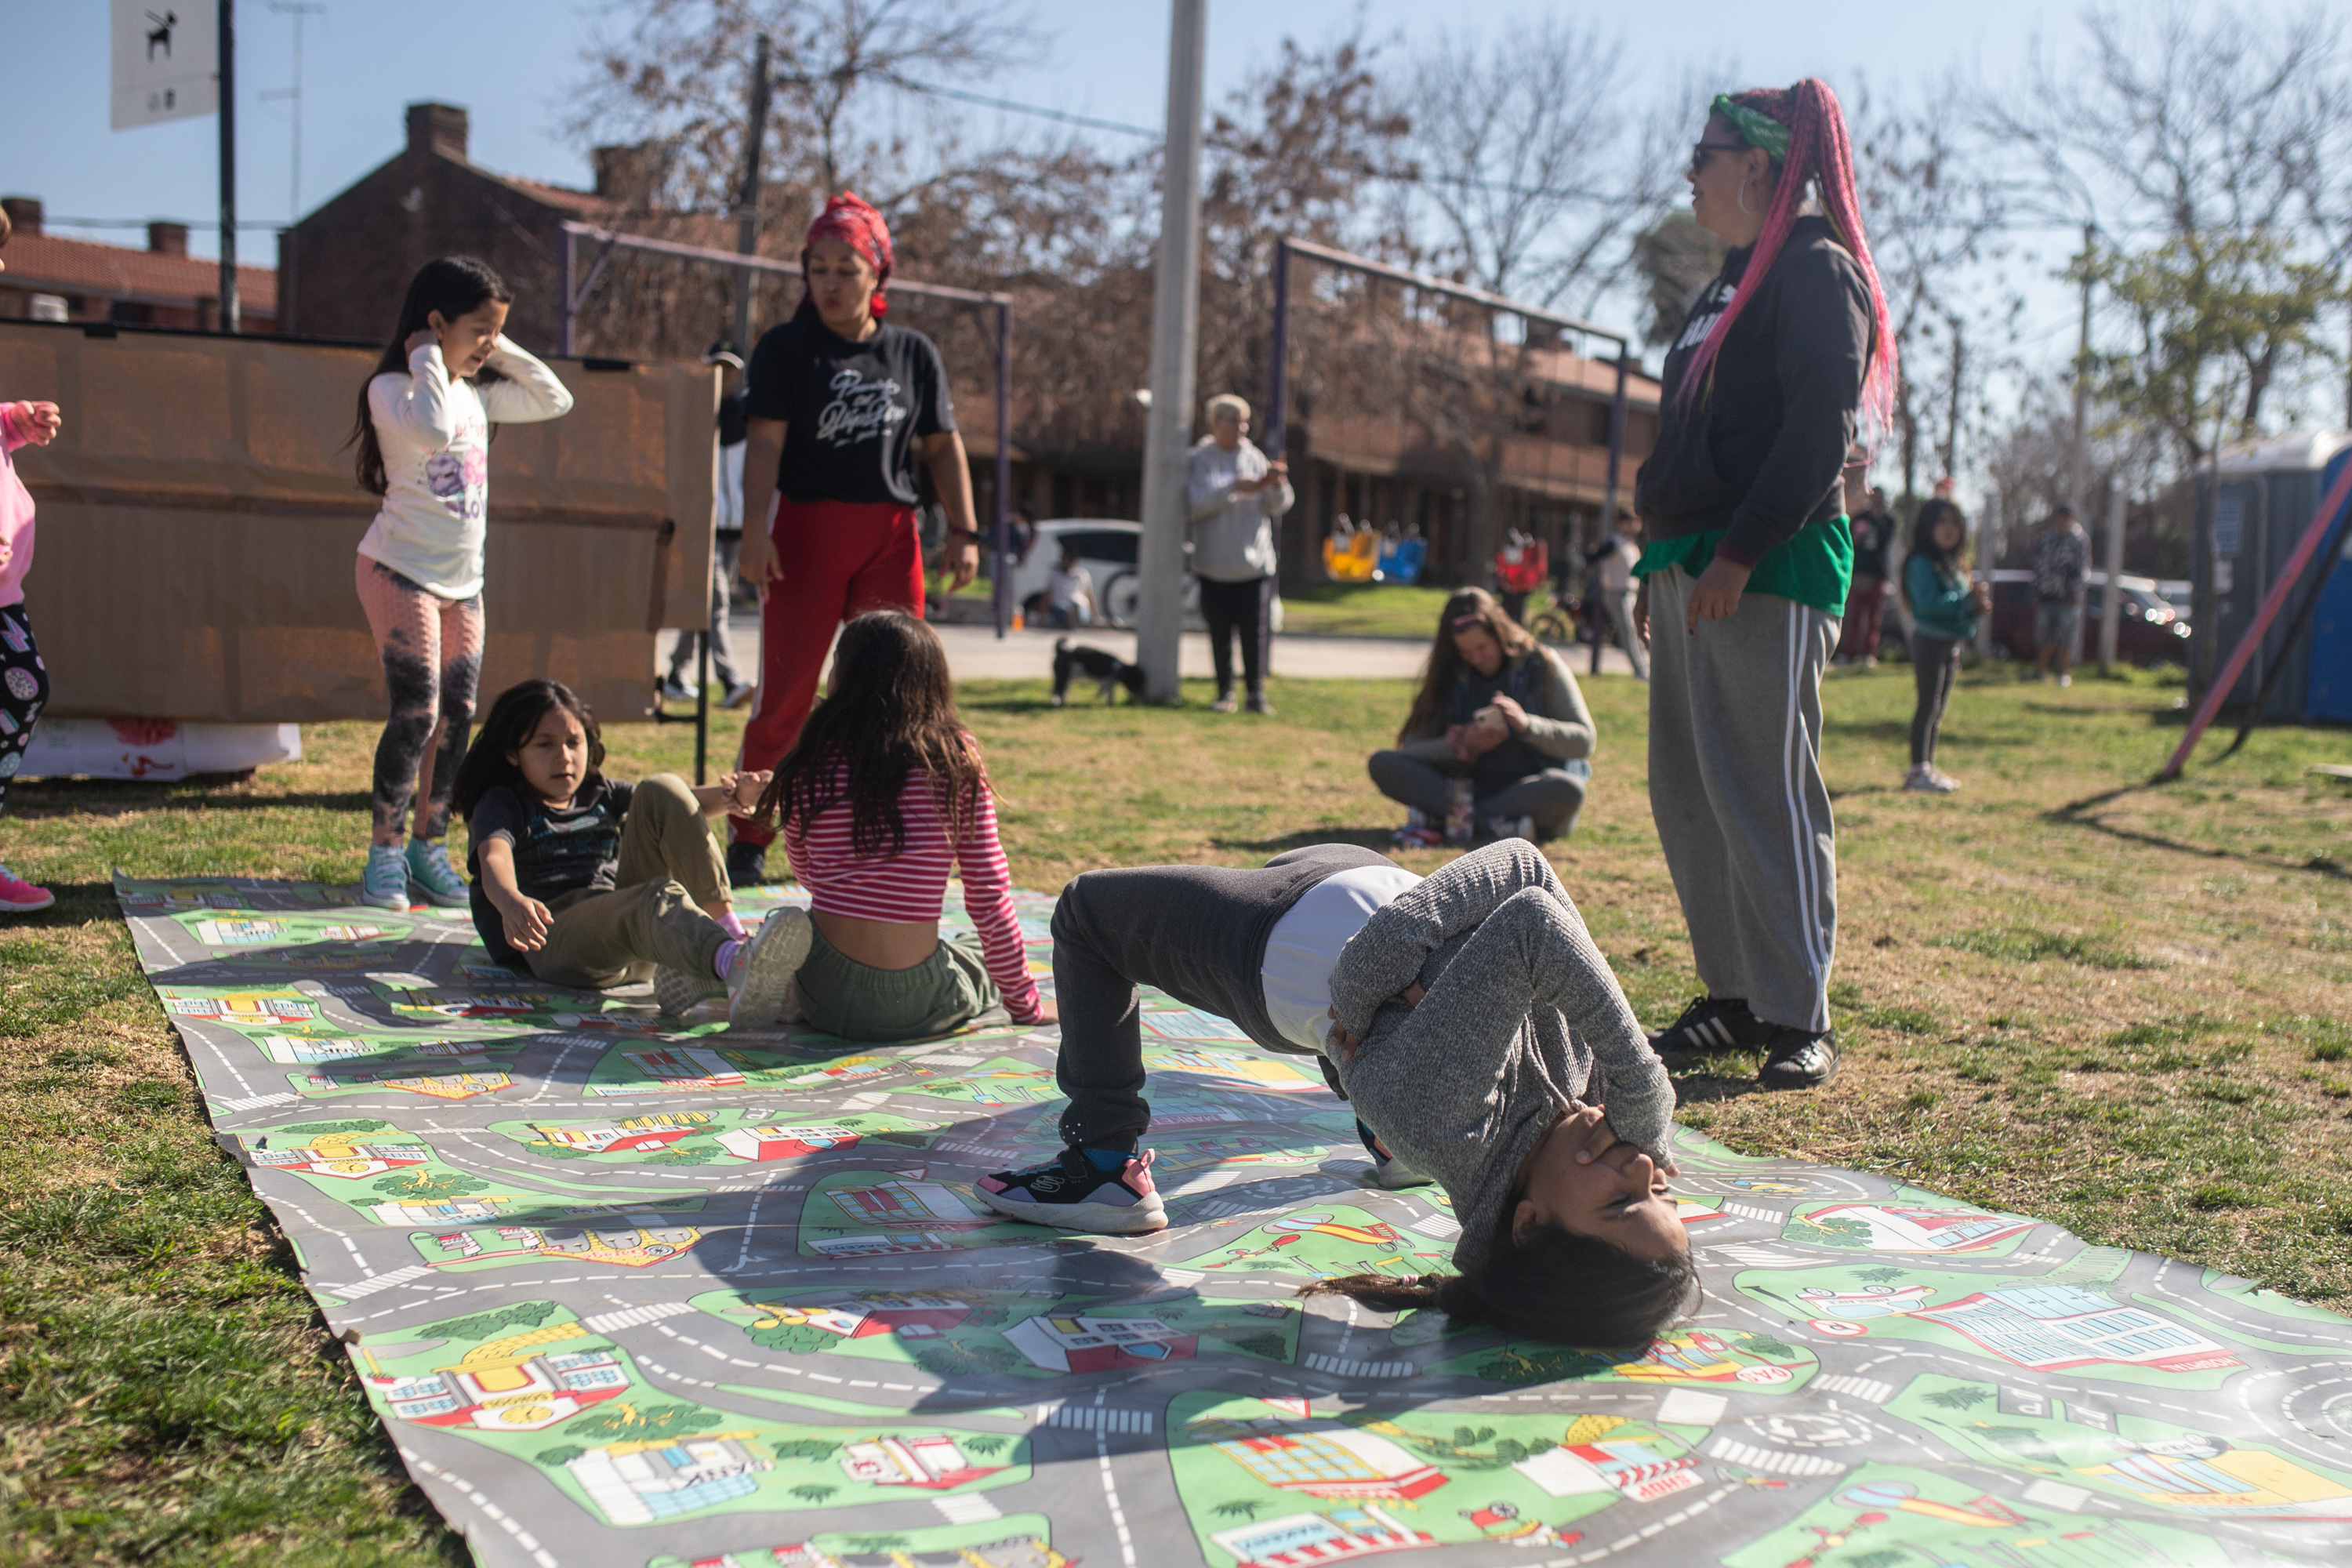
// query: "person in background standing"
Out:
[1613,560]
[838,406]
[1236,493]
[1865,601]
[728,544]
[2062,569]
[1944,606]
[24,679]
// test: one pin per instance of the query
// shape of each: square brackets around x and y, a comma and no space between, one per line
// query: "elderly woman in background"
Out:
[1235,495]
[1499,712]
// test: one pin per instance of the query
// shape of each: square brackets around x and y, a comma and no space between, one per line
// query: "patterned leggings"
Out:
[24,687]
[432,651]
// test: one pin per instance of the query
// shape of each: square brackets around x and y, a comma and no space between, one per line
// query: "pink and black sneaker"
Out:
[19,897]
[1075,1193]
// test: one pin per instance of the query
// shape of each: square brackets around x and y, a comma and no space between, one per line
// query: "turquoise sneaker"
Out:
[430,868]
[386,882]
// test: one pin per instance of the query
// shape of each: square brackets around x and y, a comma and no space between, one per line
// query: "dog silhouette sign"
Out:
[165,64]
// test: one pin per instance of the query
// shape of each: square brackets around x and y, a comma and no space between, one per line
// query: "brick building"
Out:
[346,263]
[53,278]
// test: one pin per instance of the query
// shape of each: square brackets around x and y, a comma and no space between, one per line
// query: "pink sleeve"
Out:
[988,900]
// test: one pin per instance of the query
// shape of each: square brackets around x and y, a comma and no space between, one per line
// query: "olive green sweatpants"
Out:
[859,1002]
[670,866]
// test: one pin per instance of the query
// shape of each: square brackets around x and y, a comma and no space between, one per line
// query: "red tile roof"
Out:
[51,265]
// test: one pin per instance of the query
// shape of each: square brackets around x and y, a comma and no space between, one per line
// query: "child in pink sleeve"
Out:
[24,679]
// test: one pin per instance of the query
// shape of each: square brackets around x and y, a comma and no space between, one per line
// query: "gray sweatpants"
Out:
[1736,789]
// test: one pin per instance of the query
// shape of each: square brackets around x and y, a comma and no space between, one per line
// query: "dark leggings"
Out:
[1197,932]
[1242,607]
[1934,661]
[432,653]
[24,689]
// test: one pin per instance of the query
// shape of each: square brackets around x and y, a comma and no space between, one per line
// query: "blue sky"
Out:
[510,63]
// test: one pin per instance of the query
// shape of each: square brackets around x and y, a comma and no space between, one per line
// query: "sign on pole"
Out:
[166,61]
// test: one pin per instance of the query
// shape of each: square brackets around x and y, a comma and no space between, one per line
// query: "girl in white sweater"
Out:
[424,442]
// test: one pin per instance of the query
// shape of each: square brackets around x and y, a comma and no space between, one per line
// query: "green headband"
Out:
[1755,130]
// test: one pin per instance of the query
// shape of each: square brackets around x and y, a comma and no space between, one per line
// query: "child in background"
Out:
[1468,1017]
[1070,592]
[594,882]
[884,794]
[24,679]
[1943,609]
[423,439]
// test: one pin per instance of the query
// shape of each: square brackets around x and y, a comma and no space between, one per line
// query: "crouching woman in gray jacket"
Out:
[1498,709]
[1469,1018]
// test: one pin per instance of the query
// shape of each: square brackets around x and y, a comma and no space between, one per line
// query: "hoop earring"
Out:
[1743,194]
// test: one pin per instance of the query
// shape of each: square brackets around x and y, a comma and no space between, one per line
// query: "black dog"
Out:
[1107,670]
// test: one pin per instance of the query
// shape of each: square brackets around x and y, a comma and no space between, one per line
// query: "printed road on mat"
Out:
[651,1298]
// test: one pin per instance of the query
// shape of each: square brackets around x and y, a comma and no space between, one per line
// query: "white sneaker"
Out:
[384,883]
[759,984]
[1512,828]
[1927,780]
[2066,680]
[740,694]
[677,993]
[1944,780]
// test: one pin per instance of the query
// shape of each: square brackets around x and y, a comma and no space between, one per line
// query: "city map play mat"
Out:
[653,1297]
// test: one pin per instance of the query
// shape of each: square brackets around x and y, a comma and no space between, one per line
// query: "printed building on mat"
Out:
[914,1316]
[1065,1342]
[1320,1460]
[629,1136]
[637,1483]
[1315,1540]
[520,1395]
[931,1463]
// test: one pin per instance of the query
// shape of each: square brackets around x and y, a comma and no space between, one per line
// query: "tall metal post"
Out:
[747,202]
[2111,609]
[1175,337]
[230,314]
[1989,543]
[2075,471]
[1616,443]
[1277,353]
[1000,580]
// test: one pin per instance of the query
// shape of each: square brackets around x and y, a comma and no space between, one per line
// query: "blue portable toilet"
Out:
[2268,492]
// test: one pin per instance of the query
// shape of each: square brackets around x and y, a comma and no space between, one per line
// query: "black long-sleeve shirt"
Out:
[1758,452]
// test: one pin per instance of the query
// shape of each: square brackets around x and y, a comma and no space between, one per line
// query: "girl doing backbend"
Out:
[1745,573]
[424,438]
[1468,1017]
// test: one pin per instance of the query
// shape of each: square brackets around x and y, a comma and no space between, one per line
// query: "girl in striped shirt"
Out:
[881,797]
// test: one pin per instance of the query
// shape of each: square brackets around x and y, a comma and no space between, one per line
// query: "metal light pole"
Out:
[2111,609]
[1175,337]
[229,314]
[747,207]
[2075,457]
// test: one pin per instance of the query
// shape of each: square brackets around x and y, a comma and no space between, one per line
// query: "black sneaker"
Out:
[1073,1194]
[1714,1024]
[1799,1058]
[747,865]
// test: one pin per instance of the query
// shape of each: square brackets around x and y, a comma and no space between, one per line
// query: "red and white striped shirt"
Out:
[912,885]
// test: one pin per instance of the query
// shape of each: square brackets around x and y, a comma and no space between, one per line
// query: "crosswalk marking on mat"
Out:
[379,1282]
[1868,1390]
[1095,1417]
[973,1508]
[1339,1368]
[629,1317]
[1772,1461]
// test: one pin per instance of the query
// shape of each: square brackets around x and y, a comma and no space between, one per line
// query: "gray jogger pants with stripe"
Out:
[1736,789]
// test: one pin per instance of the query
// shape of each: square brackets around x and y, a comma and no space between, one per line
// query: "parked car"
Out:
[1109,549]
[2152,632]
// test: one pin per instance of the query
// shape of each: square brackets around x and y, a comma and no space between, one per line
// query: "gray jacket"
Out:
[1232,535]
[1513,1029]
[1558,724]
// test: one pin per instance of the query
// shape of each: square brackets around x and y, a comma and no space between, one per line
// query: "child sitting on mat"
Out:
[1467,1017]
[885,793]
[594,882]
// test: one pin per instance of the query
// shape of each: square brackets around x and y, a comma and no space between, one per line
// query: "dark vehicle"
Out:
[2152,632]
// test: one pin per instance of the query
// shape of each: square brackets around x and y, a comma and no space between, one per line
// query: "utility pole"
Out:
[1175,344]
[229,312]
[1988,552]
[2075,457]
[298,9]
[2111,607]
[747,204]
[1952,422]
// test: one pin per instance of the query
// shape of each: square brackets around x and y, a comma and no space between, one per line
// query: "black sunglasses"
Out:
[1699,149]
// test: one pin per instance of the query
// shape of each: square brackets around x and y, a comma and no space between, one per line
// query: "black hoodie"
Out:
[1759,453]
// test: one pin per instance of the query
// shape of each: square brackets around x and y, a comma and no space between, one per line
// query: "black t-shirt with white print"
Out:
[852,411]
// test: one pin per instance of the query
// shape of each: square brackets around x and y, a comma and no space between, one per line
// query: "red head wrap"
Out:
[855,224]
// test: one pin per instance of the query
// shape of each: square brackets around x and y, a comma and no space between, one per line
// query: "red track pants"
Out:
[834,560]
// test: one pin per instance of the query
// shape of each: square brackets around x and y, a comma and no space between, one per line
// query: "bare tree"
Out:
[2227,138]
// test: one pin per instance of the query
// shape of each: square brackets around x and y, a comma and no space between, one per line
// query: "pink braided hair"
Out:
[1818,151]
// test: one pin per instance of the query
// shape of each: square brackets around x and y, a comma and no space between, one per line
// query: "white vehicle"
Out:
[1107,547]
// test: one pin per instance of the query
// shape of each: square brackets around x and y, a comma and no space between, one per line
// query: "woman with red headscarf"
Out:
[839,406]
[1745,575]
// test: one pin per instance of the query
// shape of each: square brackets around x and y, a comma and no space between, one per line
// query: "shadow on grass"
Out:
[79,903]
[1696,1082]
[1378,838]
[70,797]
[2077,813]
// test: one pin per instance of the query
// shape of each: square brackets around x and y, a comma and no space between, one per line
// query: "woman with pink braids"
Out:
[839,403]
[1745,574]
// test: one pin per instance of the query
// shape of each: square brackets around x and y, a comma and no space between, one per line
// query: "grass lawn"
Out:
[2061,991]
[1364,610]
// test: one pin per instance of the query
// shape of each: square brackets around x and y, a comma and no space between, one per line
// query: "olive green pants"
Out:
[670,866]
[857,1002]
